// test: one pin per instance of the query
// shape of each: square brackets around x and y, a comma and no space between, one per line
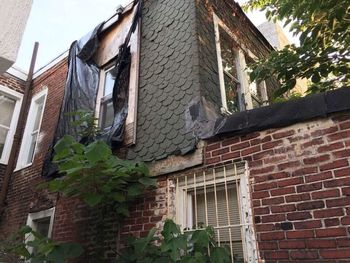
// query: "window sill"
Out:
[18,168]
[3,162]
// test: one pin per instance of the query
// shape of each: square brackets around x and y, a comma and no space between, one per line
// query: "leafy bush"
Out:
[198,246]
[44,249]
[93,174]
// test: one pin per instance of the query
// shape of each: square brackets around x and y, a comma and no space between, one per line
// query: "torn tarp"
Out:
[80,91]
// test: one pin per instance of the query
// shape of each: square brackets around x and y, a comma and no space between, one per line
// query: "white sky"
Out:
[55,24]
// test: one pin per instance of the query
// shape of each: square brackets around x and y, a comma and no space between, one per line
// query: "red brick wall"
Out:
[300,188]
[23,197]
[12,82]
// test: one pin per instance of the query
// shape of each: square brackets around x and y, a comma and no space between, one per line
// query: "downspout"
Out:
[18,135]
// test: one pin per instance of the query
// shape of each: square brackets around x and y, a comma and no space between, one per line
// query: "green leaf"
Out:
[147,181]
[220,255]
[93,199]
[97,151]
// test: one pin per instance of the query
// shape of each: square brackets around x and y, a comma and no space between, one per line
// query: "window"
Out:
[41,222]
[106,102]
[237,94]
[110,44]
[219,198]
[32,130]
[10,104]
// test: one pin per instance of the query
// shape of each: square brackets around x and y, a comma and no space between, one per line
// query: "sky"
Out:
[55,24]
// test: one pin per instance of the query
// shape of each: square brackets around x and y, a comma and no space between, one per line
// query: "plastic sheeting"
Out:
[80,91]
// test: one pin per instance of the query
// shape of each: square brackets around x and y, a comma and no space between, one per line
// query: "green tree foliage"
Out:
[93,174]
[323,57]
[43,249]
[173,246]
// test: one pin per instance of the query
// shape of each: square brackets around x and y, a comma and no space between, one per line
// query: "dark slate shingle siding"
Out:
[169,79]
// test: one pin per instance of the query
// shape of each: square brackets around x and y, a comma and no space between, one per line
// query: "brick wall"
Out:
[300,188]
[12,82]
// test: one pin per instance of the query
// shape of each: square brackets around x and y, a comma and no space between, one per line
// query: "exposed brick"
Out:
[213,146]
[220,151]
[283,134]
[329,222]
[334,165]
[345,125]
[342,153]
[320,243]
[231,155]
[310,205]
[277,235]
[308,224]
[318,177]
[263,154]
[309,187]
[335,254]
[343,242]
[276,255]
[298,216]
[268,246]
[213,160]
[305,171]
[275,159]
[273,218]
[342,172]
[273,201]
[292,164]
[260,194]
[345,191]
[316,160]
[283,208]
[345,220]
[328,213]
[291,244]
[338,136]
[330,147]
[290,182]
[251,150]
[239,146]
[322,132]
[300,234]
[231,141]
[261,211]
[270,145]
[282,191]
[313,142]
[297,197]
[331,232]
[250,136]
[345,181]
[325,194]
[265,186]
[260,140]
[304,255]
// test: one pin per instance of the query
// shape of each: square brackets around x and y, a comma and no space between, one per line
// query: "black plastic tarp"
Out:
[80,91]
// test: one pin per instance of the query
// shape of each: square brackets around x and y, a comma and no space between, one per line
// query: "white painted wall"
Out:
[13,18]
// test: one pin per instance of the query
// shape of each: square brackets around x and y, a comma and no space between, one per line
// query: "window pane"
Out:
[3,135]
[228,53]
[231,88]
[7,106]
[109,82]
[107,114]
[33,140]
[38,116]
[42,226]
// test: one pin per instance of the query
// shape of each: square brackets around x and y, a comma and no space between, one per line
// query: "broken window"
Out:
[237,93]
[219,198]
[32,130]
[10,103]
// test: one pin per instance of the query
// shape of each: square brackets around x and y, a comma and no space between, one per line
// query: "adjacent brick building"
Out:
[272,181]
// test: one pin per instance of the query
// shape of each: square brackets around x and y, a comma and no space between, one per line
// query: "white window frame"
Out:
[240,177]
[13,126]
[39,215]
[244,97]
[25,147]
[130,123]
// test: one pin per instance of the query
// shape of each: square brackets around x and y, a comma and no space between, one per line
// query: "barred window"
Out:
[219,197]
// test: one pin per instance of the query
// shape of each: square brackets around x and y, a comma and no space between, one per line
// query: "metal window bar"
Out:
[212,197]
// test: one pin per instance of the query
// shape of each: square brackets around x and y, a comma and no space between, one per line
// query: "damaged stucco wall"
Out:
[13,19]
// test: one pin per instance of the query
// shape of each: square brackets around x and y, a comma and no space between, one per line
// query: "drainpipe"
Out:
[18,135]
